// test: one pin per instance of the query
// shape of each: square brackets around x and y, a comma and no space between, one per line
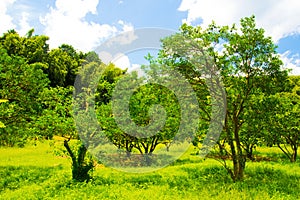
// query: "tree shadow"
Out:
[186,161]
[13,177]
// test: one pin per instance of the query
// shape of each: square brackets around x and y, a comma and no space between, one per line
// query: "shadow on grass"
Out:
[136,160]
[141,181]
[259,178]
[186,161]
[12,177]
[276,157]
[186,178]
[272,180]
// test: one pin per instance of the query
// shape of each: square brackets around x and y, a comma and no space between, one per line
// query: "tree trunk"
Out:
[294,155]
[249,151]
[168,147]
[241,160]
[80,169]
[128,147]
[238,168]
[238,159]
[148,160]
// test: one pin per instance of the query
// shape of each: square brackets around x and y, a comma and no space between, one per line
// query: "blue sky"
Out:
[87,23]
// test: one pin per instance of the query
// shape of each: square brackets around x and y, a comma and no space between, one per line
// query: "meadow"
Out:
[37,172]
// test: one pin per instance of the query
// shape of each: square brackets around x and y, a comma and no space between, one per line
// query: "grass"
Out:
[35,172]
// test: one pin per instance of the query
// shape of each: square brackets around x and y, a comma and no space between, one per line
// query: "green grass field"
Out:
[35,172]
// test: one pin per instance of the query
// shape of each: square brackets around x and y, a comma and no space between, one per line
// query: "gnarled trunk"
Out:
[80,169]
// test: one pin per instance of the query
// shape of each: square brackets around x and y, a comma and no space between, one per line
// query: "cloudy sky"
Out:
[85,24]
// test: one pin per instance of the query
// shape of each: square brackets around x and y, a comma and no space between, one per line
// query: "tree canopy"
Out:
[244,96]
[247,63]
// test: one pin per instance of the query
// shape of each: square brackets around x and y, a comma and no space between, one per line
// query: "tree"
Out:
[87,127]
[56,116]
[108,79]
[248,64]
[91,57]
[284,116]
[73,65]
[26,66]
[20,84]
[144,112]
[33,48]
[59,64]
[82,163]
[62,65]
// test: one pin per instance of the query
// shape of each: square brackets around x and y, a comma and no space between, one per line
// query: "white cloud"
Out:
[291,62]
[6,21]
[105,57]
[125,26]
[24,25]
[66,23]
[122,61]
[127,36]
[279,18]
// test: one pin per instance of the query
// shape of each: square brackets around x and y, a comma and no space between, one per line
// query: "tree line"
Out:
[261,101]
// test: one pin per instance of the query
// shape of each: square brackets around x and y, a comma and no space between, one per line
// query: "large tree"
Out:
[248,64]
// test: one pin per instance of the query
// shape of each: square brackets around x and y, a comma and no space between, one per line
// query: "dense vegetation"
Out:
[260,101]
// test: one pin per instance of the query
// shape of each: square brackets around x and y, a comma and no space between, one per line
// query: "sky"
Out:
[86,24]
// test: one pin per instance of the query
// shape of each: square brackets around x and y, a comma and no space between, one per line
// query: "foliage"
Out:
[248,64]
[63,64]
[283,114]
[1,124]
[38,82]
[56,117]
[142,108]
[20,84]
[29,69]
[109,77]
[37,85]
[33,48]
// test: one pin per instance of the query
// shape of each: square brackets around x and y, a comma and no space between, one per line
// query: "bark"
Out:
[249,152]
[294,156]
[238,159]
[80,169]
